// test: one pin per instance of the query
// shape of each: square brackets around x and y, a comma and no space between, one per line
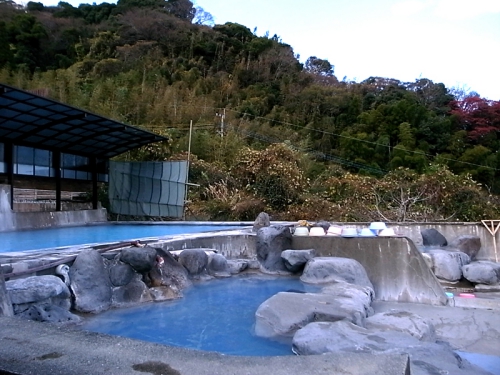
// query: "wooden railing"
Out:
[30,195]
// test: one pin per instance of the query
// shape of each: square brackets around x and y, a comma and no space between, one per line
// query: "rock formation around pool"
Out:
[271,242]
[456,260]
[340,319]
[100,281]
[41,298]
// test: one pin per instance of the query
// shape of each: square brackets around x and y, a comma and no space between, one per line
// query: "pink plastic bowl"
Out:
[467,295]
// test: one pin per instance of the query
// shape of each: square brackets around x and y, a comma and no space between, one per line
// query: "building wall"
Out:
[10,220]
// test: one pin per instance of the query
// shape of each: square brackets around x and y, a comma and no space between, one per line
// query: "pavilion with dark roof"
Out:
[46,144]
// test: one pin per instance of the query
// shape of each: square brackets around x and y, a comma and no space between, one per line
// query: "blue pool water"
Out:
[489,363]
[70,236]
[218,315]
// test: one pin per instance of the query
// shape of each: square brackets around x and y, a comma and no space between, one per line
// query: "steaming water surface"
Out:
[217,315]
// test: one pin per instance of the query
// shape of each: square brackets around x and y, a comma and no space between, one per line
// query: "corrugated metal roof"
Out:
[27,119]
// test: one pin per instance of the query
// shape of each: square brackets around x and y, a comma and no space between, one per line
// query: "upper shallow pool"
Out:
[70,236]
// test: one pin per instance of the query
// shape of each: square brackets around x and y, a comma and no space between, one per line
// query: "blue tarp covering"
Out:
[148,188]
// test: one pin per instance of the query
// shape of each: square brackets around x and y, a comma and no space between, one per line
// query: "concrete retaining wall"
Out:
[394,265]
[232,246]
[449,230]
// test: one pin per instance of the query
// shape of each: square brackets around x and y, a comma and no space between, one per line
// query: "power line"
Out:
[338,135]
[369,142]
[314,153]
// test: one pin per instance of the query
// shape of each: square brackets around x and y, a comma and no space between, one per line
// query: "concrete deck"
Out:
[45,349]
[28,347]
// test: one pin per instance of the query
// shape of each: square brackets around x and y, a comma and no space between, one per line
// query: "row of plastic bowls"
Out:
[375,229]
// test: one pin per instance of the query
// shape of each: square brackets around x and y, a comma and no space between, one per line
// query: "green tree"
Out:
[320,67]
[26,36]
[66,10]
[123,6]
[6,55]
[34,6]
[182,9]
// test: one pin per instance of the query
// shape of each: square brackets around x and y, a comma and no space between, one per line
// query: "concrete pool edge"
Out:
[47,349]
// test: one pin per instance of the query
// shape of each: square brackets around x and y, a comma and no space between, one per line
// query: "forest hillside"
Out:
[270,133]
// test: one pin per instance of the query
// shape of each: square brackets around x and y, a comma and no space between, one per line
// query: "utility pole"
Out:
[222,116]
[187,172]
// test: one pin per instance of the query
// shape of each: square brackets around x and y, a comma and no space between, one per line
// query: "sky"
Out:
[455,42]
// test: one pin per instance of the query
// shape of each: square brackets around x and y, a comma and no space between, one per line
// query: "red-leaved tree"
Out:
[479,117]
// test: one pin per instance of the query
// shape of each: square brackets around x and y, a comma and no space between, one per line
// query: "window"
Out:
[43,163]
[36,162]
[24,160]
[75,167]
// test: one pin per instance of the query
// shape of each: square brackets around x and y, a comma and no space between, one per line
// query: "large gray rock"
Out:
[402,321]
[253,264]
[236,266]
[482,272]
[331,270]
[431,237]
[172,273]
[447,265]
[469,245]
[164,293]
[194,260]
[362,294]
[325,337]
[217,266]
[285,312]
[133,293]
[261,221]
[41,298]
[49,313]
[270,243]
[121,273]
[36,289]
[62,301]
[295,260]
[141,259]
[90,283]
[427,358]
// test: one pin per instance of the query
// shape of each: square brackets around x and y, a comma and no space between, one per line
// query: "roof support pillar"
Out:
[93,168]
[9,164]
[57,169]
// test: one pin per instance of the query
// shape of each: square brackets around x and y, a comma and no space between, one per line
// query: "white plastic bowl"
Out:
[366,232]
[349,232]
[317,231]
[334,230]
[377,225]
[301,231]
[389,232]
